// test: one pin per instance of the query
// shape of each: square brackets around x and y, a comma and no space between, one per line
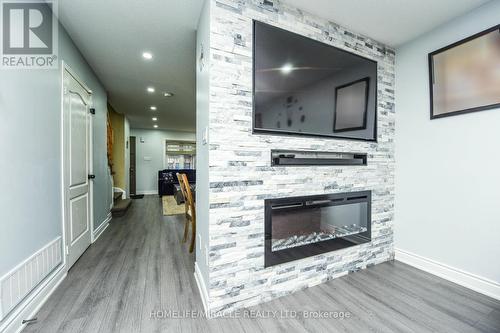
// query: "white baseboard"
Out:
[103,226]
[481,285]
[202,288]
[28,308]
[147,192]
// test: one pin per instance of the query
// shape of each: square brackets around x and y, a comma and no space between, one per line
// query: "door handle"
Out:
[91,176]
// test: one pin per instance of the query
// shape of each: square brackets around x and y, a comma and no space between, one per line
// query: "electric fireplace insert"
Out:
[299,227]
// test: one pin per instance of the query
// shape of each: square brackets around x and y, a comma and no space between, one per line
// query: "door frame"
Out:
[66,67]
[129,151]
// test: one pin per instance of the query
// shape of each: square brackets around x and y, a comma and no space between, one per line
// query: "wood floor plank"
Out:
[369,310]
[464,299]
[452,304]
[409,303]
[139,273]
[490,323]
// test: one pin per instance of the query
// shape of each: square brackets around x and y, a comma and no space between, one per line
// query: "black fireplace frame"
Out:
[296,253]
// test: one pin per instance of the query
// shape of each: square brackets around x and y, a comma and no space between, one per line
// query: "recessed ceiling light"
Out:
[286,68]
[147,55]
[155,126]
[154,119]
[151,89]
[152,107]
[168,94]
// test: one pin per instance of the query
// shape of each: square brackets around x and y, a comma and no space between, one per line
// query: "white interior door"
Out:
[76,132]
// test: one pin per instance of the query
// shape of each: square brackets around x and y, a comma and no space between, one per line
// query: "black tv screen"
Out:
[302,86]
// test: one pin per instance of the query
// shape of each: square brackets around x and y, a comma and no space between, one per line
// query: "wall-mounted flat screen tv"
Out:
[305,87]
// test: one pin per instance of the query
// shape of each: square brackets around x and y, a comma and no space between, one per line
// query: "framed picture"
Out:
[465,76]
[351,104]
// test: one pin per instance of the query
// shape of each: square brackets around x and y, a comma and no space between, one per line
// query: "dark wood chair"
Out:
[190,209]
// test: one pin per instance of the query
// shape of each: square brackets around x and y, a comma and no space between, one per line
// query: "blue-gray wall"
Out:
[447,175]
[30,166]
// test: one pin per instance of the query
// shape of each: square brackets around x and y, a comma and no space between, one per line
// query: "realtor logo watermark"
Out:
[29,34]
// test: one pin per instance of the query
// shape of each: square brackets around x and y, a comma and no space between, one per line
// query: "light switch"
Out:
[205,135]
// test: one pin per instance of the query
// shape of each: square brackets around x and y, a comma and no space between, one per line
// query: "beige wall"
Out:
[118,157]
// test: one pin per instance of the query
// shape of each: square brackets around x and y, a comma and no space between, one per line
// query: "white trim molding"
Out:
[30,305]
[147,192]
[205,298]
[19,282]
[474,282]
[103,226]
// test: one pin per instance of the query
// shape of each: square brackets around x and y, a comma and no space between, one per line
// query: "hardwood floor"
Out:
[139,266]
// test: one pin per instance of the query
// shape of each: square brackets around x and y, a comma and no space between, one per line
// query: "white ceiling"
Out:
[392,22]
[112,34]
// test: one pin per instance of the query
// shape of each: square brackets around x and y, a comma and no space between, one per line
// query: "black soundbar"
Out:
[305,158]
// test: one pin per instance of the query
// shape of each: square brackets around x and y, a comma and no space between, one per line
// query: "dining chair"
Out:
[190,209]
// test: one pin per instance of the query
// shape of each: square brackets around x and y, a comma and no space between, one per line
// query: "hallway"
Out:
[138,266]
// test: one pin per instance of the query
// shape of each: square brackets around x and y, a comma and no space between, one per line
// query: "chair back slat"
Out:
[183,189]
[189,195]
[190,208]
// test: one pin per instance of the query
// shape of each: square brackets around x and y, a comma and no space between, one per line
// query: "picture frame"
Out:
[462,75]
[343,118]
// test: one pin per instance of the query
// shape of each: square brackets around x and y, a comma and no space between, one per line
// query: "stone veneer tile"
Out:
[241,176]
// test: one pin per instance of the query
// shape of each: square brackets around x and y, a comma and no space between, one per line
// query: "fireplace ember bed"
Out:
[300,227]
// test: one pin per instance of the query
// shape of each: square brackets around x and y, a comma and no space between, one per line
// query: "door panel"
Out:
[76,132]
[78,114]
[79,217]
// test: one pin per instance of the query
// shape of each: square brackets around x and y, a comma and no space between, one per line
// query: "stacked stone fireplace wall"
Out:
[240,171]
